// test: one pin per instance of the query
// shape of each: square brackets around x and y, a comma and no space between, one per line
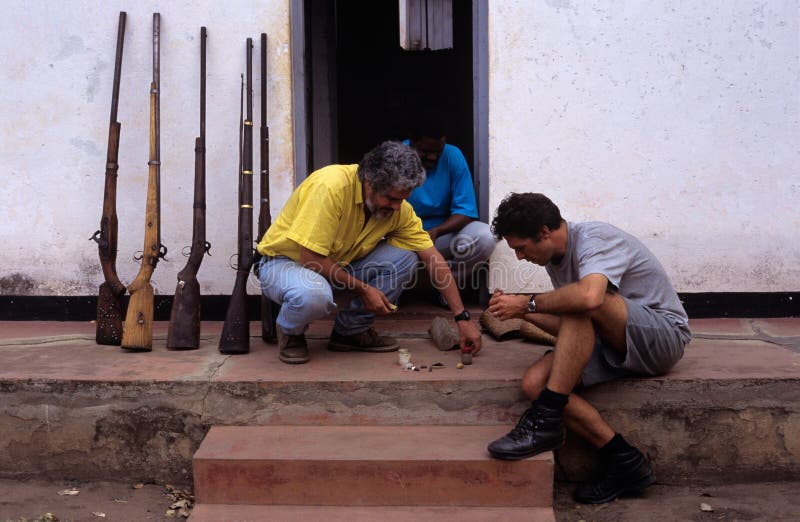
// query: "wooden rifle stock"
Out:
[269,310]
[235,338]
[137,334]
[184,321]
[109,298]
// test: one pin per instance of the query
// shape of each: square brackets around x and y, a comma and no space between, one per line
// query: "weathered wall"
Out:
[677,121]
[56,68]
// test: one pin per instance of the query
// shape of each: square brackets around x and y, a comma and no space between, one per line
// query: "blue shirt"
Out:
[447,190]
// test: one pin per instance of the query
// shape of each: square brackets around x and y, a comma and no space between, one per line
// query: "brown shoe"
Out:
[293,348]
[368,341]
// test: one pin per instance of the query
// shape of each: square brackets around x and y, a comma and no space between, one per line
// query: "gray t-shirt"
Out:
[632,270]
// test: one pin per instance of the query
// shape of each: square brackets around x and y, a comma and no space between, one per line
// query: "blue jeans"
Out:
[466,249]
[305,295]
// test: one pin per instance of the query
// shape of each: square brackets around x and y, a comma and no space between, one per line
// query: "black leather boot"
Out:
[624,472]
[539,429]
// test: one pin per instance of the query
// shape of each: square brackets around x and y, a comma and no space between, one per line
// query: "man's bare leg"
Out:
[625,467]
[580,417]
[542,428]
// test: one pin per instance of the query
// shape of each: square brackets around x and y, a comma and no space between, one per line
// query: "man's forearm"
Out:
[575,298]
[442,278]
[331,271]
[454,223]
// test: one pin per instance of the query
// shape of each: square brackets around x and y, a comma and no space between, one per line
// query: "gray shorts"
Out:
[654,346]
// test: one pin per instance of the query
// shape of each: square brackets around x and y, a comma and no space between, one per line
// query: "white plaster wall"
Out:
[56,72]
[675,120]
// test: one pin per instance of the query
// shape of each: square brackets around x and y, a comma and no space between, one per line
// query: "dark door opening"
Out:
[362,88]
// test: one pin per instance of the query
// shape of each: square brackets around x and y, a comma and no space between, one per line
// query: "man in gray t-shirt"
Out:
[615,314]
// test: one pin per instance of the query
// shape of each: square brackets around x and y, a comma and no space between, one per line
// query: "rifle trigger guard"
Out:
[230,262]
[207,248]
[186,251]
[98,238]
[162,252]
[138,255]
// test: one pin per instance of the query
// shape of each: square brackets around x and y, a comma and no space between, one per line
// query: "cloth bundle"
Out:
[513,328]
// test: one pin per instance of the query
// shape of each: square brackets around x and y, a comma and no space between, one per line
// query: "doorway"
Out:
[356,87]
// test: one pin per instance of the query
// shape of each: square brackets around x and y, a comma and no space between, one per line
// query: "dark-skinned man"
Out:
[446,203]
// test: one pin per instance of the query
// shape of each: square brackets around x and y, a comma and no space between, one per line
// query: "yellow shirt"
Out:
[325,214]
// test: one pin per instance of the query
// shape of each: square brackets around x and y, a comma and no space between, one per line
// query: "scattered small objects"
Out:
[71,492]
[706,507]
[437,365]
[47,517]
[181,501]
[99,514]
[180,504]
[460,366]
[466,355]
[120,501]
[393,307]
[430,369]
[138,485]
[415,368]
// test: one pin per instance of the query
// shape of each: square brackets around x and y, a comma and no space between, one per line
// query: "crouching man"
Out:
[348,227]
[615,313]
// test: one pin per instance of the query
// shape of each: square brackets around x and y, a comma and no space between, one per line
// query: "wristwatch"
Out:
[463,316]
[532,305]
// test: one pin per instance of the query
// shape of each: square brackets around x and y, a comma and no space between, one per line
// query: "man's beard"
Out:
[379,213]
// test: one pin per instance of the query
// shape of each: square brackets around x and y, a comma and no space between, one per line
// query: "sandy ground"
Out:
[98,501]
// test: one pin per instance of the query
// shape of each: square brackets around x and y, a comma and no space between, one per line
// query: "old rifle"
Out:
[109,298]
[268,308]
[235,338]
[137,335]
[184,321]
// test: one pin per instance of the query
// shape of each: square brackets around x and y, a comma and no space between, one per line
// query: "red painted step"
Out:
[366,466]
[249,513]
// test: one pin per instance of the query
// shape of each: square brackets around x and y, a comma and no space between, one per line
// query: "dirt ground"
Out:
[30,501]
[774,501]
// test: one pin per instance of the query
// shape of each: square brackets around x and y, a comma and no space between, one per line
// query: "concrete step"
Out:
[251,513]
[366,466]
[70,408]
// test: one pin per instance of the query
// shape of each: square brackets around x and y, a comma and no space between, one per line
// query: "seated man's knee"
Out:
[485,244]
[314,300]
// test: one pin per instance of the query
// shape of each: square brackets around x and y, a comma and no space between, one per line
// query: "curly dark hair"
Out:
[391,165]
[524,215]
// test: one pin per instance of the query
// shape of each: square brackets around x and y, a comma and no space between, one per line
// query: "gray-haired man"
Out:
[349,227]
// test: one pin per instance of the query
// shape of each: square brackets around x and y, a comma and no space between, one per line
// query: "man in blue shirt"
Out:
[446,204]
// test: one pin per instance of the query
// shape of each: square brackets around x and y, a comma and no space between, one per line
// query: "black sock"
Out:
[615,445]
[553,400]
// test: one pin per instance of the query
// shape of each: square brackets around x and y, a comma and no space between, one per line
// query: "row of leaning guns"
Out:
[136,333]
